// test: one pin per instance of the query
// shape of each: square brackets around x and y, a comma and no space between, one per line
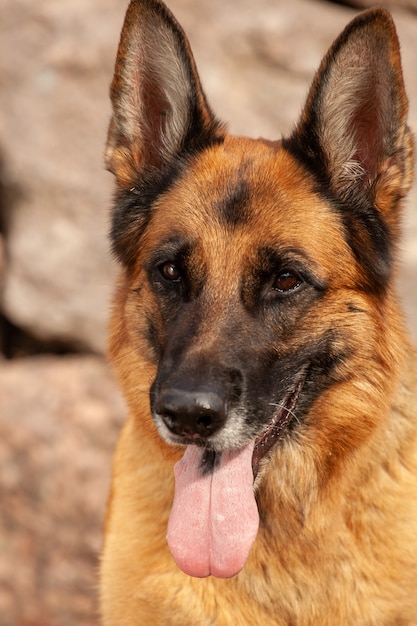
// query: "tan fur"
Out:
[337,544]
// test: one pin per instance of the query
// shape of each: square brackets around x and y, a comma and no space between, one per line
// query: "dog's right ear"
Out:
[159,107]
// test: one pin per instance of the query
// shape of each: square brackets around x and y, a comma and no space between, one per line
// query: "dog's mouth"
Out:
[214,518]
[277,427]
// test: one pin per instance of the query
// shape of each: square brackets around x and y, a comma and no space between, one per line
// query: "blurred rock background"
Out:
[60,411]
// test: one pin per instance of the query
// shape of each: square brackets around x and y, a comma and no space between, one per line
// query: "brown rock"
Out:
[55,68]
[58,422]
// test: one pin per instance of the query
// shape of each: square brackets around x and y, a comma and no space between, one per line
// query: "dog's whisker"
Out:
[281,405]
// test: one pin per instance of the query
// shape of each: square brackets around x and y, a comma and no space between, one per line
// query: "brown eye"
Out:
[286,281]
[171,272]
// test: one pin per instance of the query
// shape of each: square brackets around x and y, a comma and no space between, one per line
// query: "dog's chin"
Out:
[280,423]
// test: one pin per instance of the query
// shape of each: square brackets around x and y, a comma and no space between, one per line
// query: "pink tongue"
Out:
[214,518]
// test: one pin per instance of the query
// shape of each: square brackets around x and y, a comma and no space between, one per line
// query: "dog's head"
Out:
[257,274]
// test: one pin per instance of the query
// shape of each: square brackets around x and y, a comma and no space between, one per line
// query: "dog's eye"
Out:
[171,272]
[287,281]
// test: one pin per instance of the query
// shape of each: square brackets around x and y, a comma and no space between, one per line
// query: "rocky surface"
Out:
[58,423]
[59,415]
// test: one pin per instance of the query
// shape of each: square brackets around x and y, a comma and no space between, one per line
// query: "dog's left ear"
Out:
[159,107]
[353,133]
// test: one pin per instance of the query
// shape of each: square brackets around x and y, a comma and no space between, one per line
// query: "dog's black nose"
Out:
[192,413]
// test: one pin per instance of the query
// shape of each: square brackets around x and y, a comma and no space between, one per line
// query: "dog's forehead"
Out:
[250,192]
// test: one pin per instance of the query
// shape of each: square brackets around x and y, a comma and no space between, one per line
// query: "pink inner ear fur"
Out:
[366,128]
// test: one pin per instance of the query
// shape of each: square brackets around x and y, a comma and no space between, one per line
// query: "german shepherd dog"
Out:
[267,473]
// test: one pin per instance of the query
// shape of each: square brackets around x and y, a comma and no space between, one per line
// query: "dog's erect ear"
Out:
[159,108]
[352,133]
